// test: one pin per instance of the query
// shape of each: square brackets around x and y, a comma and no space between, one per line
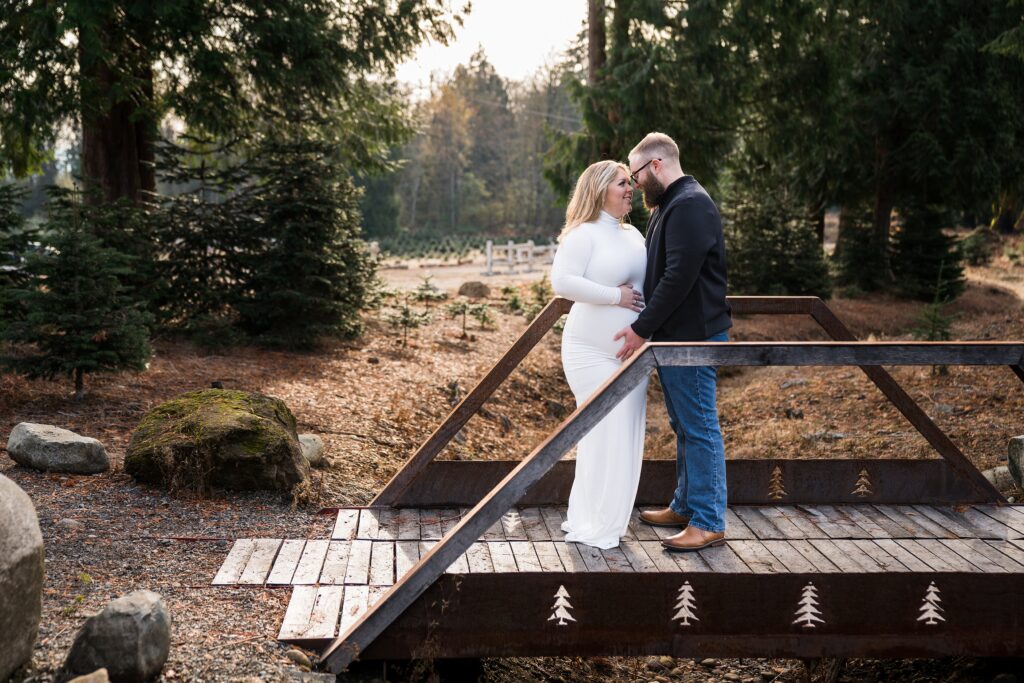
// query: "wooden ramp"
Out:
[908,576]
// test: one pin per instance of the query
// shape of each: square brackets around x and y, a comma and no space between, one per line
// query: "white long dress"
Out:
[591,262]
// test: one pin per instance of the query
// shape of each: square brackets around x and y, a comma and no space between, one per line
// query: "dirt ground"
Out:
[374,401]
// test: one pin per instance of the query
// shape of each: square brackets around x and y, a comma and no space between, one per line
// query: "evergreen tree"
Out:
[772,245]
[925,260]
[855,253]
[311,273]
[206,235]
[81,317]
[117,67]
[15,238]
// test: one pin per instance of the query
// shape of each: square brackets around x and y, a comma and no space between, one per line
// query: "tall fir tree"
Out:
[311,273]
[81,317]
[15,238]
[926,261]
[771,240]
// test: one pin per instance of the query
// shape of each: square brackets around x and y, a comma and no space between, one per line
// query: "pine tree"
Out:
[309,277]
[482,314]
[772,242]
[81,317]
[931,612]
[405,318]
[15,238]
[923,255]
[857,266]
[809,613]
[561,607]
[685,605]
[460,307]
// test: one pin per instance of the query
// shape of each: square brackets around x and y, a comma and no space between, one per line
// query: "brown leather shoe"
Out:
[692,538]
[664,517]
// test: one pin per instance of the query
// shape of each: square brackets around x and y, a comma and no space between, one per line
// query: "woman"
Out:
[600,264]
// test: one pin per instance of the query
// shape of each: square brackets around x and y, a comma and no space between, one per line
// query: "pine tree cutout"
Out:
[685,605]
[561,607]
[775,488]
[808,612]
[863,486]
[930,610]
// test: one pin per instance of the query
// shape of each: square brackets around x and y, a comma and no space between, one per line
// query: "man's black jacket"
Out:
[685,283]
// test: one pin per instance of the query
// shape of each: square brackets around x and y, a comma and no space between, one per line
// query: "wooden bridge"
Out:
[869,557]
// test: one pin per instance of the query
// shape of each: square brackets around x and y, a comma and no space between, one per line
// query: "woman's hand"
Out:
[630,298]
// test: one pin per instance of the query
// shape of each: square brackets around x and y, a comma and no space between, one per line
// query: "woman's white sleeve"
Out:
[567,279]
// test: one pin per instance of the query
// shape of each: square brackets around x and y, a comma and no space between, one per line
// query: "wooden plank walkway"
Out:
[336,579]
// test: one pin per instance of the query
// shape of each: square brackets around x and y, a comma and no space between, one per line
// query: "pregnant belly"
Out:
[590,328]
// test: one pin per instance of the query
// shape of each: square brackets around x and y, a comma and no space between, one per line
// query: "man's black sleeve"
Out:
[691,230]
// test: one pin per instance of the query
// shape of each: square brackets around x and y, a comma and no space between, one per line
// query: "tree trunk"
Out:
[117,138]
[596,39]
[882,214]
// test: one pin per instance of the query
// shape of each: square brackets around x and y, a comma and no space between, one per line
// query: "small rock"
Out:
[732,676]
[97,676]
[946,409]
[798,382]
[216,384]
[52,449]
[312,448]
[70,524]
[709,662]
[373,360]
[653,664]
[474,290]
[1015,460]
[299,657]
[794,414]
[666,661]
[307,677]
[131,637]
[460,436]
[1000,477]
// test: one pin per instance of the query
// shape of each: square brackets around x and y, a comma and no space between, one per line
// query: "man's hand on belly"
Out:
[632,342]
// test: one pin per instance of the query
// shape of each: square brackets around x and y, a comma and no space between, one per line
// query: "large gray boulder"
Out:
[52,449]
[130,638]
[1016,460]
[218,437]
[21,577]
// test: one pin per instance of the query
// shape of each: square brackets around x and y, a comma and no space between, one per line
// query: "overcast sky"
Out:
[518,36]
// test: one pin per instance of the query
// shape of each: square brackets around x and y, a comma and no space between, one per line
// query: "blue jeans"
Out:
[700,454]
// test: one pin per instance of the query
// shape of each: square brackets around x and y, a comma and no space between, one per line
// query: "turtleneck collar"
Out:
[606,218]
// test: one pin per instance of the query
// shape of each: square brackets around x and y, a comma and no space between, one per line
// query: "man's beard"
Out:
[653,191]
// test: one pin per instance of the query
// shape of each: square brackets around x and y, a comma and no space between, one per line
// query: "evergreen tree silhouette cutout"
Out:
[685,605]
[776,491]
[863,486]
[930,609]
[561,607]
[808,612]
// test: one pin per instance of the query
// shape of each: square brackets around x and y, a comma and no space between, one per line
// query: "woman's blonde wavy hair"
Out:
[588,196]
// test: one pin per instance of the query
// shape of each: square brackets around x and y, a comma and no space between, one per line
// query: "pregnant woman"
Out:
[600,265]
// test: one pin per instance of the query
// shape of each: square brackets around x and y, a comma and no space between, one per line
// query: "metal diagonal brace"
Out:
[473,401]
[488,511]
[925,426]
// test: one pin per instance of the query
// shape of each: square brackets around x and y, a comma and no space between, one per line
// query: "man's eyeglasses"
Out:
[633,176]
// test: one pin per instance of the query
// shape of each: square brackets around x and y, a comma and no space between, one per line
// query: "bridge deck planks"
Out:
[335,580]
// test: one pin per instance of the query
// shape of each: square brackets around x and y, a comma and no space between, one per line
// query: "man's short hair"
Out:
[656,146]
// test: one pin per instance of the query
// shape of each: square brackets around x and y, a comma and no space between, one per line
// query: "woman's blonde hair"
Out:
[588,196]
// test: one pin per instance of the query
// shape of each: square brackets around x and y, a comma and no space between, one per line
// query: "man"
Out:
[685,294]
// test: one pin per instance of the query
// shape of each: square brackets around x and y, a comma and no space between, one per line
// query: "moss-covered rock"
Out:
[218,438]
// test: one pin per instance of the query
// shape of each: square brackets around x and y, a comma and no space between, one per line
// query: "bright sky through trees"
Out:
[518,37]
